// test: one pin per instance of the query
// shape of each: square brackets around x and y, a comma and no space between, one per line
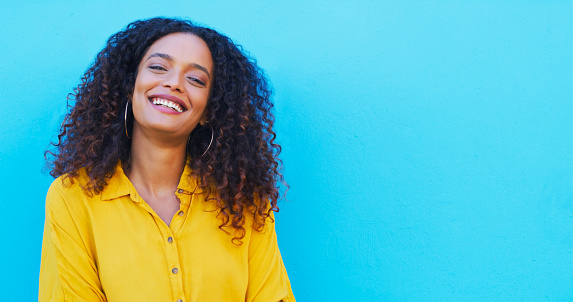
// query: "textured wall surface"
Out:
[428,144]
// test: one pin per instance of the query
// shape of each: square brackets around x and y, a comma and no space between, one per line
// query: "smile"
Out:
[167,103]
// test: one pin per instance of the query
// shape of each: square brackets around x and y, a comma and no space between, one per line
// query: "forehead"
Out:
[184,48]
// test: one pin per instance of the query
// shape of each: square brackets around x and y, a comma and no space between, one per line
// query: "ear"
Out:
[203,119]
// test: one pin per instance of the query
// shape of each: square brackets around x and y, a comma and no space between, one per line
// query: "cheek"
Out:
[144,81]
[137,89]
[202,108]
[199,100]
[138,98]
[140,89]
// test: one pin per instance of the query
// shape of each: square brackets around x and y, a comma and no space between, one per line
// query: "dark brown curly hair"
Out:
[240,171]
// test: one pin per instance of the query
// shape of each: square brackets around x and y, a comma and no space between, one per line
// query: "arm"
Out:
[268,279]
[68,270]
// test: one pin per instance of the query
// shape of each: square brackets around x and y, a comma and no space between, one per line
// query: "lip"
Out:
[171,98]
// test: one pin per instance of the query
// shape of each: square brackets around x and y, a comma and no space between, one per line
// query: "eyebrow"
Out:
[170,58]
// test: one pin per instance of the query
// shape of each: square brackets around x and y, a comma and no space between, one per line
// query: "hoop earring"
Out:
[125,120]
[191,147]
[211,142]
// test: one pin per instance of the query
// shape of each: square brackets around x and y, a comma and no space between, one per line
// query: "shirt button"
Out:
[170,239]
[175,270]
[180,191]
[181,213]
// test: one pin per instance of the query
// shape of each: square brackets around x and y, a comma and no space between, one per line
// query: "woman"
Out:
[167,172]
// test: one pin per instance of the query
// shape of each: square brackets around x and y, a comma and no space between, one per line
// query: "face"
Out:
[172,86]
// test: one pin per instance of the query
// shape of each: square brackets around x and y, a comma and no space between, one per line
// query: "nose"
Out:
[173,82]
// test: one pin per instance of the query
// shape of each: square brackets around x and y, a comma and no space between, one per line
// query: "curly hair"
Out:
[240,171]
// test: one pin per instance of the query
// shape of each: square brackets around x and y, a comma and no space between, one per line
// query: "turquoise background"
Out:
[428,144]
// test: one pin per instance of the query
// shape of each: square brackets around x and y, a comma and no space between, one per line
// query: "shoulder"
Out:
[65,191]
[67,183]
[260,230]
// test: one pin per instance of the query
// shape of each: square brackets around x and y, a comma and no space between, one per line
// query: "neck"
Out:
[155,167]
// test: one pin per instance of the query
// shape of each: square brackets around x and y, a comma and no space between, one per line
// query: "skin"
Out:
[177,67]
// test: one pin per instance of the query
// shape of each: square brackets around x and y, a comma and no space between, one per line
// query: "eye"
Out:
[157,67]
[196,81]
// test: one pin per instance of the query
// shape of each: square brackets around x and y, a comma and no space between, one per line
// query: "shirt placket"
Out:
[172,251]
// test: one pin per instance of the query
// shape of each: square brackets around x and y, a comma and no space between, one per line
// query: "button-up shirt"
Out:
[114,247]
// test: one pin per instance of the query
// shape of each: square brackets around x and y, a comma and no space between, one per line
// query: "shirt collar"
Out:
[188,184]
[119,185]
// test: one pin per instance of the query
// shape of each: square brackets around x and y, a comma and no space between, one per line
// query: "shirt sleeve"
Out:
[68,270]
[268,279]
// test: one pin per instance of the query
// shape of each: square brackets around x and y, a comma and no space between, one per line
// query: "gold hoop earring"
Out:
[125,119]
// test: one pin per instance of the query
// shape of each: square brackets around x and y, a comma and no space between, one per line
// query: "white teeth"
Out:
[167,103]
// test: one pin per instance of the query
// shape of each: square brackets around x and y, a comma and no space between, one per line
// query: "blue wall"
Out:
[428,143]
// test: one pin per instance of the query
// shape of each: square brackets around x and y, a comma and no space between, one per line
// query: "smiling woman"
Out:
[172,88]
[167,175]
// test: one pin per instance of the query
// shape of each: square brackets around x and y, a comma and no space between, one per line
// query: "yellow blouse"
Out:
[114,247]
